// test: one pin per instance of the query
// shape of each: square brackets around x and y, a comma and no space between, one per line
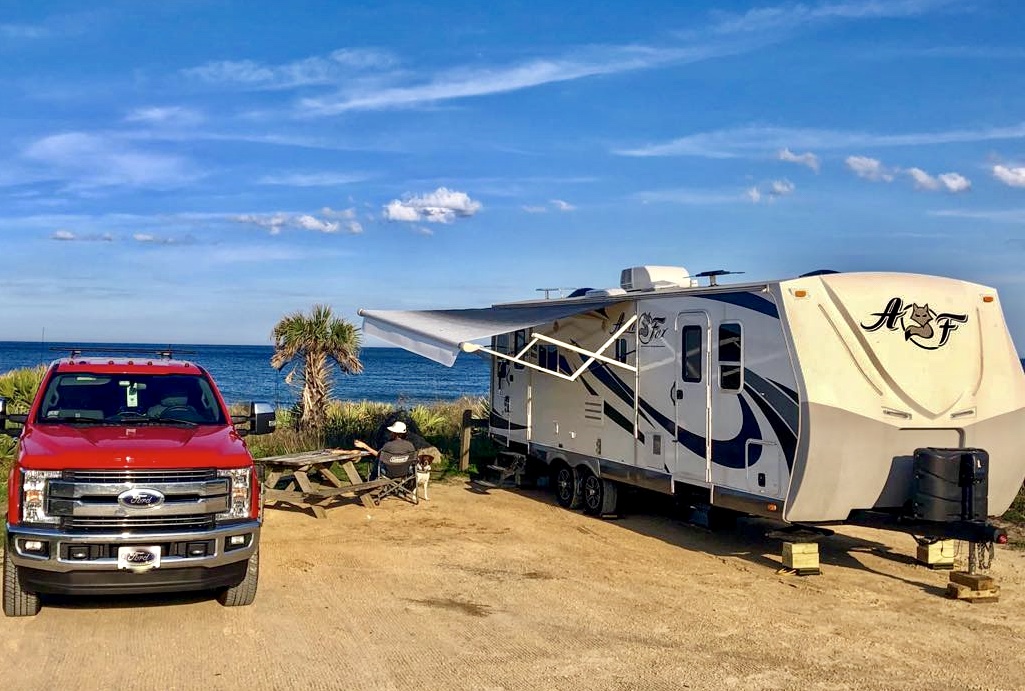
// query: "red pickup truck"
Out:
[131,477]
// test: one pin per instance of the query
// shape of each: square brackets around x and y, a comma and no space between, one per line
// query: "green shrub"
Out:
[19,388]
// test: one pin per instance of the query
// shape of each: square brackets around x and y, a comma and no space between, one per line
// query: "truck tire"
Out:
[567,487]
[245,592]
[600,495]
[17,602]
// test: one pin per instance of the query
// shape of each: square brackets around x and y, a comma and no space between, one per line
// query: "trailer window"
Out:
[692,353]
[548,357]
[502,343]
[731,368]
[519,341]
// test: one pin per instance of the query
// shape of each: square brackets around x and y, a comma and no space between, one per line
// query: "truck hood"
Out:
[60,447]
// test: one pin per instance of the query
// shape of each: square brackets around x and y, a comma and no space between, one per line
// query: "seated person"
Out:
[396,447]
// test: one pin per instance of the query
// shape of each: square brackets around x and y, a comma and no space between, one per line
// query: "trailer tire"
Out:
[566,484]
[600,495]
[17,602]
[245,592]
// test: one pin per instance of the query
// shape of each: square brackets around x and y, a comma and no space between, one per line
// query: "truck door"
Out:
[691,396]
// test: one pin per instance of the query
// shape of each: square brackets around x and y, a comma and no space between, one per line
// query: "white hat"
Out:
[398,428]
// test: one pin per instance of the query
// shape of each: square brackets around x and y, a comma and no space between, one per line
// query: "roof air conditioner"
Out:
[655,277]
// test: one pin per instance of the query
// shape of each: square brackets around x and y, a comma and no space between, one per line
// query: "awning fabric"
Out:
[437,334]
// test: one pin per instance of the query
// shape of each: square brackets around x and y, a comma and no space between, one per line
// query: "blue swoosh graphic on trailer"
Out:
[728,453]
[746,300]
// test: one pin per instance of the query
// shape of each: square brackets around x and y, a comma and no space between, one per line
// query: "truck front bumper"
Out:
[87,563]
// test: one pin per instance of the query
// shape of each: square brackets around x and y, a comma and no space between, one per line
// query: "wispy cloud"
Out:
[1011,176]
[69,236]
[312,71]
[806,159]
[322,179]
[794,16]
[757,141]
[689,197]
[277,222]
[770,191]
[869,168]
[165,115]
[535,209]
[948,182]
[560,205]
[440,206]
[88,161]
[1015,216]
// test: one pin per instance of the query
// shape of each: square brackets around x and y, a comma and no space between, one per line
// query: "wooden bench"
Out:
[309,482]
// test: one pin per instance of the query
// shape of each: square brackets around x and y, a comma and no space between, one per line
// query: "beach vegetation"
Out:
[312,345]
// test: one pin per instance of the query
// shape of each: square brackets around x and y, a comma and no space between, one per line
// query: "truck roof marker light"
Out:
[988,298]
[800,293]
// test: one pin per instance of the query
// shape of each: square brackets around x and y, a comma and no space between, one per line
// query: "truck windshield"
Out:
[130,398]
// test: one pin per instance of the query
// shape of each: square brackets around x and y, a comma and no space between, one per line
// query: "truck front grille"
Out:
[140,524]
[89,501]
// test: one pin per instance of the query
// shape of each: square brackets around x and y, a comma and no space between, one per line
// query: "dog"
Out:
[423,473]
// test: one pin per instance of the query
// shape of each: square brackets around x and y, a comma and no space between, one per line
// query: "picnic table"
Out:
[300,473]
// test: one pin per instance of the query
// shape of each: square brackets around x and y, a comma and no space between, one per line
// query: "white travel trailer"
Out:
[870,398]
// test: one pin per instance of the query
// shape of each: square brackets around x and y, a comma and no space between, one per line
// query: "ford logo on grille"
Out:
[140,498]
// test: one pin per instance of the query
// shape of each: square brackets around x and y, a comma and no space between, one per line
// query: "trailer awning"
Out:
[440,334]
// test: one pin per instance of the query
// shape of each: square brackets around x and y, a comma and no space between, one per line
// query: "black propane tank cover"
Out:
[950,485]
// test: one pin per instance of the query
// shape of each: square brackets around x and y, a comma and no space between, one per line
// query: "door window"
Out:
[692,353]
[731,357]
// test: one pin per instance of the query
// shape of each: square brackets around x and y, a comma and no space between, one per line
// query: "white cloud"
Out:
[275,223]
[955,182]
[440,206]
[68,236]
[1016,216]
[328,212]
[423,230]
[151,239]
[691,196]
[335,68]
[326,179]
[770,191]
[535,209]
[869,168]
[1014,177]
[561,205]
[806,159]
[88,160]
[165,115]
[791,16]
[308,222]
[947,182]
[23,31]
[756,141]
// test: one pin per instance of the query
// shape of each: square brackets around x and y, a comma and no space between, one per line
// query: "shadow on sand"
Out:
[659,516]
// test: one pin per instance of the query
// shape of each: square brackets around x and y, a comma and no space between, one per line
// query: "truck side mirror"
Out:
[262,418]
[5,417]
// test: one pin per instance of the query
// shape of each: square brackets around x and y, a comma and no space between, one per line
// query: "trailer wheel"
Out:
[245,592]
[567,487]
[600,495]
[17,602]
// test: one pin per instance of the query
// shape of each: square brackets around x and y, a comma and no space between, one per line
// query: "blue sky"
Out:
[191,171]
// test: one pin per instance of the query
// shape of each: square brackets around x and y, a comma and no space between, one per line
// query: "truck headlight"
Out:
[33,496]
[239,493]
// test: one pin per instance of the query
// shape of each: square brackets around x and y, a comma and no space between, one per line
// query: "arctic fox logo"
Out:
[923,326]
[650,328]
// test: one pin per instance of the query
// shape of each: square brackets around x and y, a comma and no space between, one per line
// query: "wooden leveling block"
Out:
[972,587]
[801,557]
[938,555]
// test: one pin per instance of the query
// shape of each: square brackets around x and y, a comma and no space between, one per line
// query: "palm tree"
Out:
[312,343]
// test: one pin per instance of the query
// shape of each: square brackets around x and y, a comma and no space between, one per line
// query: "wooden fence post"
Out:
[464,442]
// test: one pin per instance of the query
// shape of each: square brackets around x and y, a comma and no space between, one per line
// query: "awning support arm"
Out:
[591,355]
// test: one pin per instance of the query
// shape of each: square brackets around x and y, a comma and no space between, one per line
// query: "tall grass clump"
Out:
[19,388]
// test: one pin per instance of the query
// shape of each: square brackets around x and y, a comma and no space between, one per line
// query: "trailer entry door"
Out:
[691,396]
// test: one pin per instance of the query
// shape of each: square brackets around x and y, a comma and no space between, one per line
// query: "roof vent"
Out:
[605,292]
[655,277]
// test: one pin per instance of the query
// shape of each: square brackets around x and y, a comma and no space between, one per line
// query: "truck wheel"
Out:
[17,602]
[600,495]
[245,592]
[567,487]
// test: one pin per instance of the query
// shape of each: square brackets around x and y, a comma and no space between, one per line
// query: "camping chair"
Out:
[400,472]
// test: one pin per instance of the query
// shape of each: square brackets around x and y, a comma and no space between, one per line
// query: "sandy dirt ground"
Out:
[505,590]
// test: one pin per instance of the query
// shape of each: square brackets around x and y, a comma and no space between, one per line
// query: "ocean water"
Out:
[243,373]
